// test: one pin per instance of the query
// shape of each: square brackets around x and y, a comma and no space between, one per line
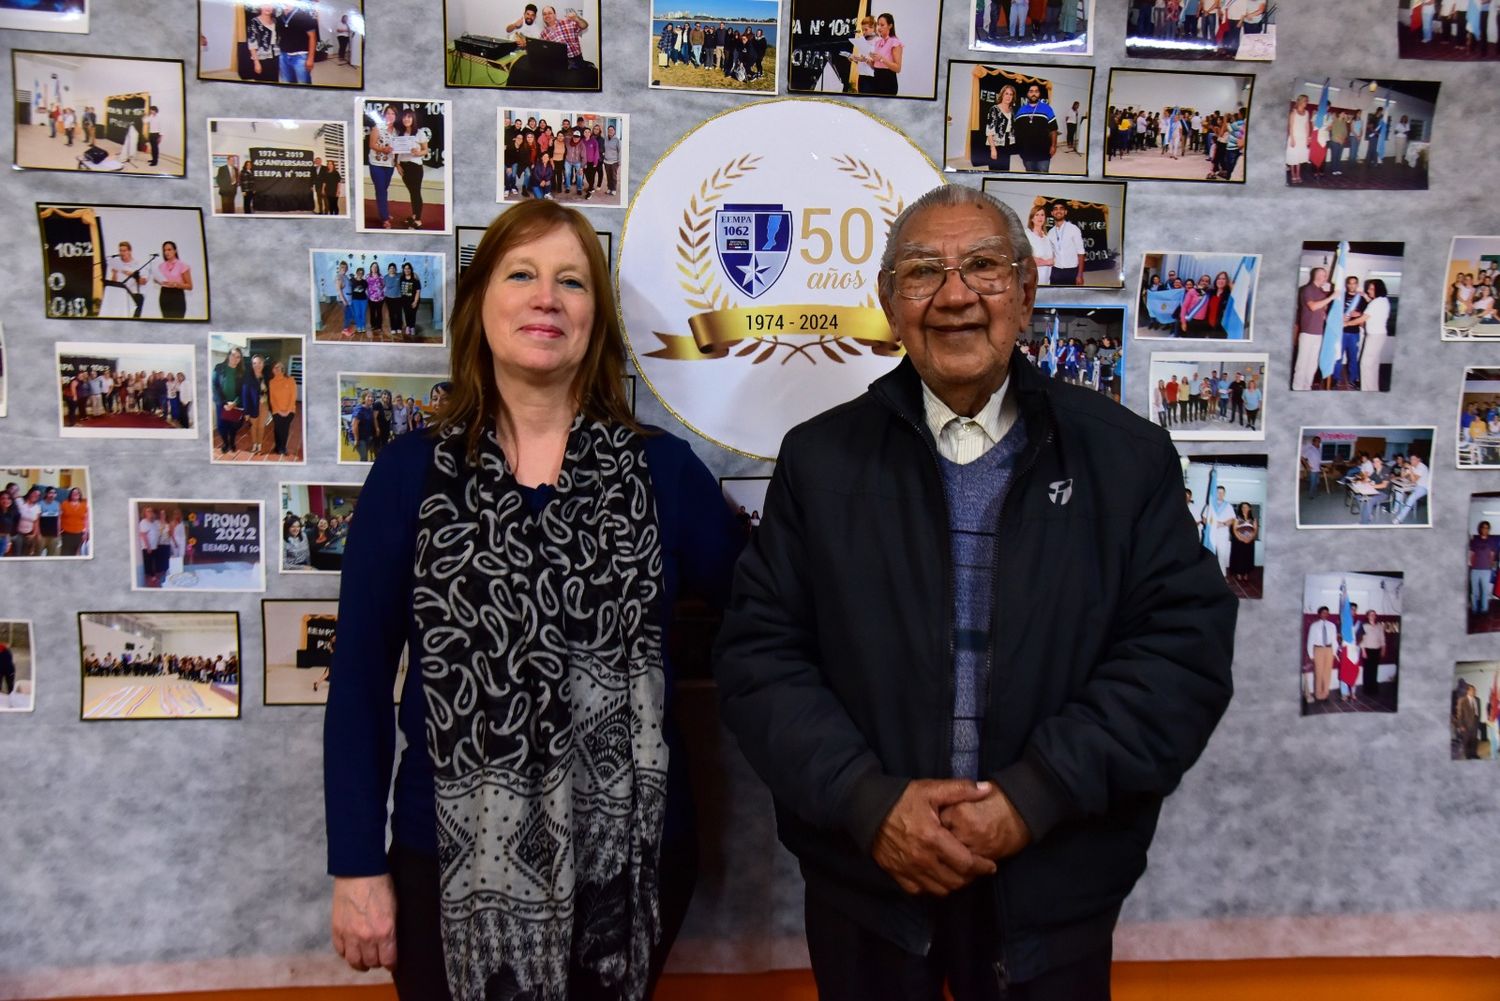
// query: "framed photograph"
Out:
[1081,344]
[1365,477]
[407,141]
[1044,27]
[1351,642]
[4,377]
[159,665]
[45,513]
[105,114]
[123,262]
[1447,29]
[849,48]
[466,242]
[1185,295]
[1483,563]
[70,16]
[1348,296]
[407,305]
[277,168]
[739,52]
[1208,395]
[523,46]
[1473,281]
[1244,30]
[298,651]
[578,158]
[1361,133]
[1475,716]
[109,390]
[17,667]
[255,387]
[1018,119]
[747,497]
[1076,229]
[310,43]
[1477,446]
[315,520]
[1227,496]
[1177,125]
[375,407]
[196,545]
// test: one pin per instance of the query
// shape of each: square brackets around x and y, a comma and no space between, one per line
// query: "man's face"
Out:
[1323,614]
[1059,212]
[1033,94]
[549,16]
[958,339]
[1351,284]
[530,16]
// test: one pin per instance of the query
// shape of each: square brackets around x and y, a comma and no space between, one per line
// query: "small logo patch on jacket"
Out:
[1060,492]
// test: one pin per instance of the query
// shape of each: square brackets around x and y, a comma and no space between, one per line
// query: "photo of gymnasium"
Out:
[160,665]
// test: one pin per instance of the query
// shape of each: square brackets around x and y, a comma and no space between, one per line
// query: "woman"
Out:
[1190,315]
[294,554]
[261,40]
[174,541]
[1298,130]
[359,301]
[1000,128]
[382,161]
[410,296]
[74,522]
[1158,402]
[1371,641]
[541,177]
[227,388]
[362,426]
[1041,246]
[343,286]
[1375,319]
[28,529]
[343,31]
[282,390]
[256,397]
[1242,543]
[537,442]
[175,279]
[885,58]
[410,164]
[514,180]
[1252,403]
[375,297]
[862,46]
[1215,306]
[49,521]
[247,185]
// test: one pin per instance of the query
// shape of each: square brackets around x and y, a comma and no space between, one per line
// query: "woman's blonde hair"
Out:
[474,402]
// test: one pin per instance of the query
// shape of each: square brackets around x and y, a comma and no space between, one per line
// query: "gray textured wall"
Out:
[190,854]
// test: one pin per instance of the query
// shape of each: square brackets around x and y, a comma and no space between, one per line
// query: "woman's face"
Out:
[277,371]
[1039,219]
[169,251]
[882,27]
[75,494]
[1221,281]
[1369,290]
[51,495]
[294,529]
[1370,616]
[322,524]
[408,119]
[390,115]
[539,308]
[235,357]
[257,365]
[33,495]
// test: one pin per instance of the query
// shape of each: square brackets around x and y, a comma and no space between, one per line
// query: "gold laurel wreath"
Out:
[695,263]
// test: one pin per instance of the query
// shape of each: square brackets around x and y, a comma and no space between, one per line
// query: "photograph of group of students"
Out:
[1084,345]
[1351,649]
[1201,29]
[277,167]
[1475,713]
[123,262]
[522,45]
[855,48]
[1478,441]
[17,667]
[379,297]
[1344,327]
[71,16]
[1481,585]
[196,545]
[159,665]
[1076,229]
[1365,477]
[255,388]
[1460,30]
[306,43]
[576,157]
[110,390]
[1360,133]
[110,114]
[717,45]
[1053,27]
[1209,396]
[1018,119]
[298,651]
[315,520]
[1226,495]
[1177,125]
[411,139]
[375,408]
[45,514]
[1471,287]
[1190,295]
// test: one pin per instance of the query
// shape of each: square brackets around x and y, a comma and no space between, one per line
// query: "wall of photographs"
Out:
[1337,810]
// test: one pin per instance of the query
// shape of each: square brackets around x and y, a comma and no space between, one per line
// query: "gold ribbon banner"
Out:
[716,332]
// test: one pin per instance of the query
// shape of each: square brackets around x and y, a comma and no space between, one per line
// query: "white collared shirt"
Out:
[961,439]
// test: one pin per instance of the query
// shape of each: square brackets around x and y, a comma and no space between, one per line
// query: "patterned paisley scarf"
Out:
[541,666]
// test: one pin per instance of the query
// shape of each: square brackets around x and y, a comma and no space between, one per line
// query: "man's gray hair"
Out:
[956,194]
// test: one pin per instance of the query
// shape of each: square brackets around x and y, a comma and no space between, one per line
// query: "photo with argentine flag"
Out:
[1351,642]
[1190,295]
[1344,327]
[1362,132]
[1226,496]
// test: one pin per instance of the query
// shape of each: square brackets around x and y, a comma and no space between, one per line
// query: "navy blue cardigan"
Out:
[700,541]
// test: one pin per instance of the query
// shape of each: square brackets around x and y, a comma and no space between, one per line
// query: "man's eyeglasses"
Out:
[921,277]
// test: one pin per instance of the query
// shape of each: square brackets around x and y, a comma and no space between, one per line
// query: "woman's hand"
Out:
[364,921]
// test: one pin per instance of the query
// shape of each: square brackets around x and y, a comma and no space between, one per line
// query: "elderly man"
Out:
[968,767]
[565,30]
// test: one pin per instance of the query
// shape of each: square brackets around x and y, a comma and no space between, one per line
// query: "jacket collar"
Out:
[901,390]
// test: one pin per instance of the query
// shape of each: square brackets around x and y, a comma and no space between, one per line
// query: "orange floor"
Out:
[1281,980]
